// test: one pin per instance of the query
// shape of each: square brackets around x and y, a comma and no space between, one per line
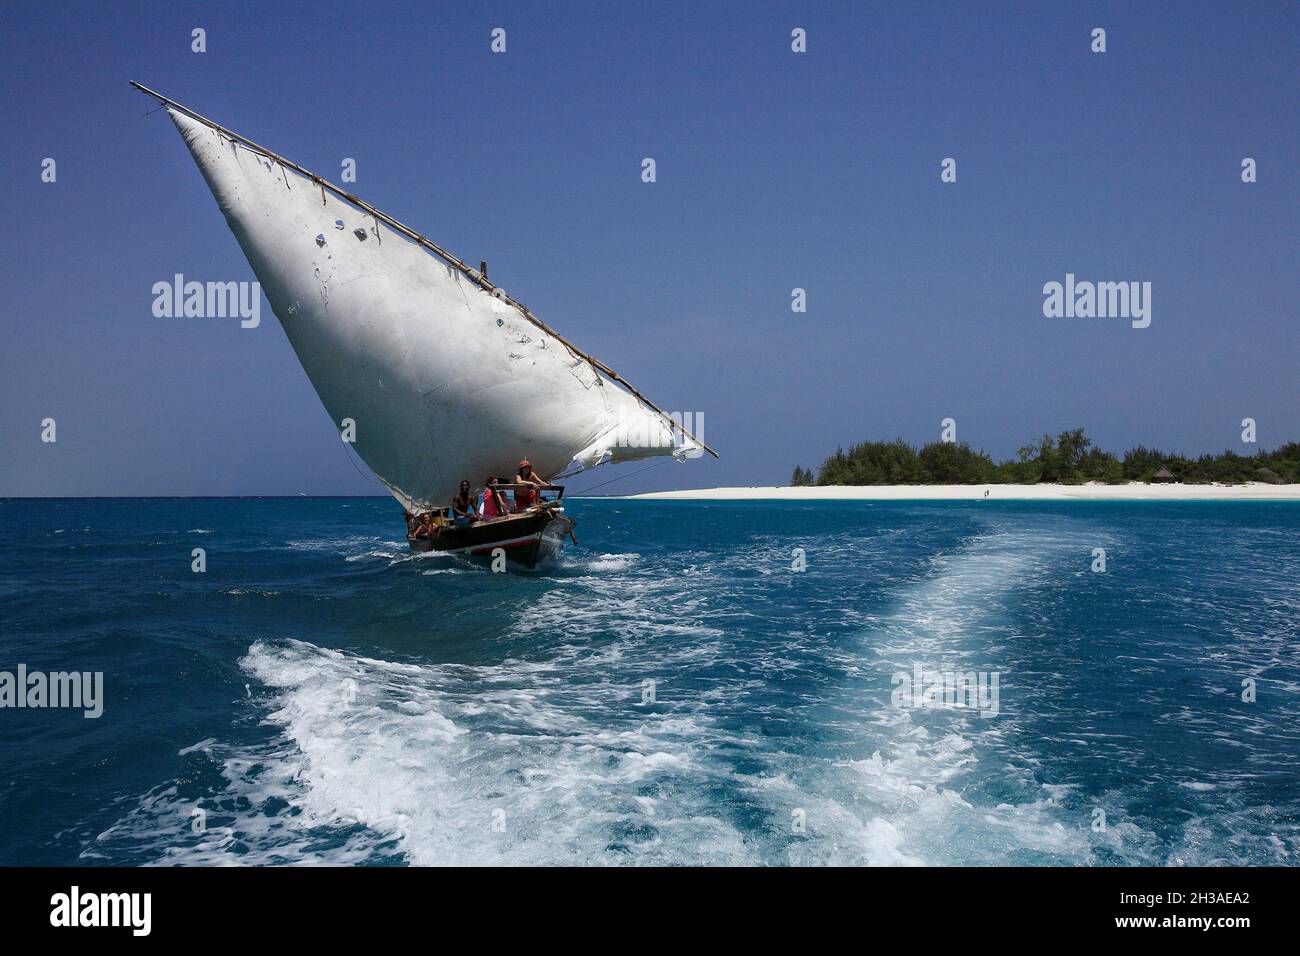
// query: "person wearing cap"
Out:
[527,482]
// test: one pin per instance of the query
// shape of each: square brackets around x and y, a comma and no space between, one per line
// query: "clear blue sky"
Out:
[775,170]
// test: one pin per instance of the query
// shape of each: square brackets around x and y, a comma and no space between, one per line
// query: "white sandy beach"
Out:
[1094,491]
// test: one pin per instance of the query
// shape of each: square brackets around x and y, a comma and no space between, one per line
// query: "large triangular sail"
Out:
[434,372]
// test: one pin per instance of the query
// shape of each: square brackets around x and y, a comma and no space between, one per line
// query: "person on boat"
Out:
[527,483]
[463,512]
[418,526]
[494,502]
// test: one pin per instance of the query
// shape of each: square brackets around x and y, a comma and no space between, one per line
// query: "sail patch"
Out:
[581,370]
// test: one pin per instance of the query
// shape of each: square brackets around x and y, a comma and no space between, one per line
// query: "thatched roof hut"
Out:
[1164,477]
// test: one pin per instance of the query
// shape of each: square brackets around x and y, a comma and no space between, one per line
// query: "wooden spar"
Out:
[477,277]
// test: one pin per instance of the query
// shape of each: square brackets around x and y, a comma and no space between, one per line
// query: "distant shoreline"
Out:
[1093,491]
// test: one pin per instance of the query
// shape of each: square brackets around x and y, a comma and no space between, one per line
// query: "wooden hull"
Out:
[527,539]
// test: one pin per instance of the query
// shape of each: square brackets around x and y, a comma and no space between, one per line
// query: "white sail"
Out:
[442,379]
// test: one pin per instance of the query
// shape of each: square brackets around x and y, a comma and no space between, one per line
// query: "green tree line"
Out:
[1068,458]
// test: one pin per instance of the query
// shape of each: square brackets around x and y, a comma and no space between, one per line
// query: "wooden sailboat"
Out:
[435,372]
[529,537]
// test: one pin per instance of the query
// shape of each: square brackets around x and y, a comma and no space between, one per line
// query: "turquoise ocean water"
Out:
[673,692]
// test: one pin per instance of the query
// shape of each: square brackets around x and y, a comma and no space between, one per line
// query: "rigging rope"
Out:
[621,477]
[347,450]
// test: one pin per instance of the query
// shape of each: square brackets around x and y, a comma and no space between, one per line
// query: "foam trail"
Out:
[454,765]
[910,787]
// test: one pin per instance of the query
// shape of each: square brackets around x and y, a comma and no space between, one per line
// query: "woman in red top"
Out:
[494,503]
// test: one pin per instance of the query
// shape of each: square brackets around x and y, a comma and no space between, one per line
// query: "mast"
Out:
[474,275]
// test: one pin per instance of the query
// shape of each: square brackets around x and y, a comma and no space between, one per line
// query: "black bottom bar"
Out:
[297,905]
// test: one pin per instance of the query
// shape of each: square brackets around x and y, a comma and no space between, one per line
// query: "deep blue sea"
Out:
[673,692]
